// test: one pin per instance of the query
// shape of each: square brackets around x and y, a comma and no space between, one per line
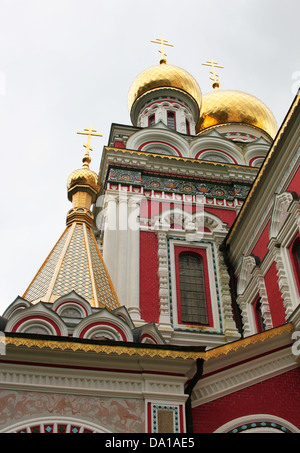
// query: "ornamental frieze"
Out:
[179,185]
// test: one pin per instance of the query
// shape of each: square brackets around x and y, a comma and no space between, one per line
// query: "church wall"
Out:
[278,396]
[226,215]
[261,247]
[294,185]
[149,281]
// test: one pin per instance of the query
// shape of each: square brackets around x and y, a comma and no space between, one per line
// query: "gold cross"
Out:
[90,132]
[163,42]
[215,78]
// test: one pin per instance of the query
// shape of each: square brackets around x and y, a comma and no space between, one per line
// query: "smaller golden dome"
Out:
[228,106]
[83,177]
[164,76]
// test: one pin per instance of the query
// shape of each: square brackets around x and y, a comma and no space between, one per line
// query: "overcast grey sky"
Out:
[68,64]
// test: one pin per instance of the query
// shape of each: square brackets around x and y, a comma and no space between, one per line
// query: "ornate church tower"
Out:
[170,306]
[172,186]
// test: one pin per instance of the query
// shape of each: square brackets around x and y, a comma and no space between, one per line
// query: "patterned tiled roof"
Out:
[74,264]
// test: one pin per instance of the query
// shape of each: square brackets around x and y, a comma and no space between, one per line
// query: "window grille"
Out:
[192,289]
[171,120]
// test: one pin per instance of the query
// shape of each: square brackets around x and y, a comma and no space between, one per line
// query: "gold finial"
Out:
[163,42]
[215,78]
[90,132]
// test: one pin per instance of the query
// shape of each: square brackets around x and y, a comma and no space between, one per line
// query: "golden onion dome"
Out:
[164,76]
[83,177]
[222,107]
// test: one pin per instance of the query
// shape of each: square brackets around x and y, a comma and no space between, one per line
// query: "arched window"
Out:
[192,289]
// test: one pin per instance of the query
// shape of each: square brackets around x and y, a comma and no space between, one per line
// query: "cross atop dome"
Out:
[215,78]
[163,42]
[90,132]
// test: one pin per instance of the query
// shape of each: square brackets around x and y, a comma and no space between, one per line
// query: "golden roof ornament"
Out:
[83,185]
[215,78]
[163,42]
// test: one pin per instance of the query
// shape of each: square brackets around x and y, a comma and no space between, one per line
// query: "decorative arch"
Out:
[49,425]
[72,302]
[18,304]
[159,135]
[148,334]
[258,423]
[256,152]
[37,319]
[201,220]
[159,147]
[103,325]
[214,145]
[215,155]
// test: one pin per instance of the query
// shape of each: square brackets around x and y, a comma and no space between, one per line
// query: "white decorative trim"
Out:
[242,376]
[163,275]
[229,326]
[256,287]
[102,318]
[35,312]
[212,284]
[88,382]
[245,273]
[216,144]
[168,137]
[280,212]
[70,381]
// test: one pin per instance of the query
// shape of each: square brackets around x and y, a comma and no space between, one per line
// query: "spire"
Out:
[75,262]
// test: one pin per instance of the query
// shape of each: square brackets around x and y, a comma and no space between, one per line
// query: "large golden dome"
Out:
[227,106]
[164,76]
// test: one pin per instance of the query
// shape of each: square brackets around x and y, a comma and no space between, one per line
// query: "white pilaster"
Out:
[110,236]
[122,249]
[133,259]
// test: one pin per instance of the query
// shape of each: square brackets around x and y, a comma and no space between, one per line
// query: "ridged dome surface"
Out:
[227,106]
[164,76]
[83,176]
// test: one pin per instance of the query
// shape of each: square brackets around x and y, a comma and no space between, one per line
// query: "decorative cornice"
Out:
[182,159]
[242,375]
[243,343]
[143,350]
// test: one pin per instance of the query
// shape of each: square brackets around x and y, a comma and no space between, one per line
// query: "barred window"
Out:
[192,289]
[171,120]
[151,120]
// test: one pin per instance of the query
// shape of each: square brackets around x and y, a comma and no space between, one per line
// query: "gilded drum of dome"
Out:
[226,106]
[83,176]
[164,76]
